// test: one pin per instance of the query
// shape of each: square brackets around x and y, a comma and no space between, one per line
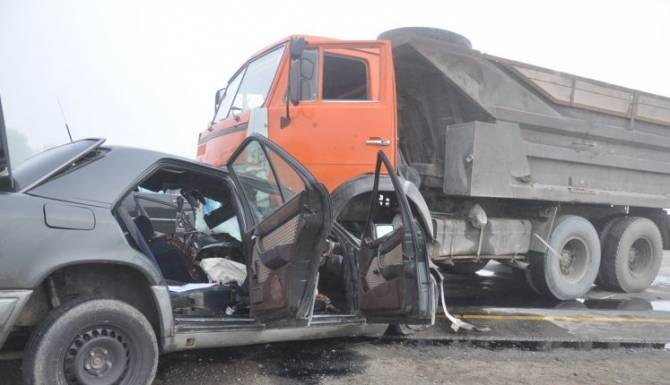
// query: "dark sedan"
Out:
[112,255]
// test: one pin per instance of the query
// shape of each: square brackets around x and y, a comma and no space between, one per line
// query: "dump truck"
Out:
[563,177]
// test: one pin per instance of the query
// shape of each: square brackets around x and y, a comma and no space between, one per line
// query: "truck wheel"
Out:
[464,267]
[632,255]
[92,342]
[603,232]
[534,273]
[570,274]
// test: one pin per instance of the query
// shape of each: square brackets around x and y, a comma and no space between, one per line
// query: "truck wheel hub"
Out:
[639,256]
[573,259]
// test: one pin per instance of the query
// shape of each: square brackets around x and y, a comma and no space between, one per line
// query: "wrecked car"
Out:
[114,255]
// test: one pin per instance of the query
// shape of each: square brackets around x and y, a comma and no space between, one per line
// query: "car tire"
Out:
[465,268]
[89,341]
[632,255]
[570,274]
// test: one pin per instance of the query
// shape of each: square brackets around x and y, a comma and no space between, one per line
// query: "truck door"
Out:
[291,217]
[395,284]
[349,115]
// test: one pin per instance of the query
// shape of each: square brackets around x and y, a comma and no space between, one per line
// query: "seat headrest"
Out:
[146,227]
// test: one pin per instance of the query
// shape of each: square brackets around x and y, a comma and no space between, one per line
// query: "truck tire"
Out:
[92,342]
[464,268]
[603,232]
[570,274]
[632,255]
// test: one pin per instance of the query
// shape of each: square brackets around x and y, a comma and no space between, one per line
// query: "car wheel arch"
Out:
[114,280]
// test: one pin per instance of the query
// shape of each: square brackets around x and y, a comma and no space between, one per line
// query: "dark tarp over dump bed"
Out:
[482,126]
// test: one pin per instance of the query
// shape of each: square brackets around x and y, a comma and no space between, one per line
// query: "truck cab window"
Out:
[231,91]
[257,81]
[344,78]
[250,86]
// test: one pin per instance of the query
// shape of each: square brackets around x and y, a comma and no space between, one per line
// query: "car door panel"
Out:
[291,221]
[395,284]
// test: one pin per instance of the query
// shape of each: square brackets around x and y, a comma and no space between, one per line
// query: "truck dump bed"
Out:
[482,126]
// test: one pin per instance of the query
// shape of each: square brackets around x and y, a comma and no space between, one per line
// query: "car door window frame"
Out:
[275,176]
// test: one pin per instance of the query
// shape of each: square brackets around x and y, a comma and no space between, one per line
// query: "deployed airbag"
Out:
[224,271]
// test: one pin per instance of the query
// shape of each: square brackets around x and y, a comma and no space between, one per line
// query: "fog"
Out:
[144,73]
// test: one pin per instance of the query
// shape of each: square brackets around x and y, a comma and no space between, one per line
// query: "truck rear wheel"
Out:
[92,342]
[569,267]
[604,230]
[632,255]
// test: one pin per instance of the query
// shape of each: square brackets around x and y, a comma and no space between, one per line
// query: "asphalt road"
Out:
[346,361]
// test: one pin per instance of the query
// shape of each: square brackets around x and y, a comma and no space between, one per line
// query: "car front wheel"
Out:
[92,342]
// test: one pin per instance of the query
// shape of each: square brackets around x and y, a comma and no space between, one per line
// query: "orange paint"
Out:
[327,136]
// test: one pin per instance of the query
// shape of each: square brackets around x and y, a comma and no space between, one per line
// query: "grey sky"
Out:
[143,73]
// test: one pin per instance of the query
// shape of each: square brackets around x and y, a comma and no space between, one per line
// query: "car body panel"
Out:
[11,304]
[261,335]
[36,250]
[114,173]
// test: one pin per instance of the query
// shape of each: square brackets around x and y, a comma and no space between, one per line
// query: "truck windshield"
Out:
[249,88]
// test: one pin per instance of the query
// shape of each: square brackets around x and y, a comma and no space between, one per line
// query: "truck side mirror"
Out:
[301,69]
[295,83]
[297,46]
[218,97]
[306,68]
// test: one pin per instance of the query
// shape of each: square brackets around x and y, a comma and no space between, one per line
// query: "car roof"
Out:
[103,181]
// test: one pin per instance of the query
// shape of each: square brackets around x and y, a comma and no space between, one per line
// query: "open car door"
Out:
[291,217]
[6,181]
[395,283]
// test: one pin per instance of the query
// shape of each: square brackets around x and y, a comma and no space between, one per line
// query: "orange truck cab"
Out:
[545,171]
[342,111]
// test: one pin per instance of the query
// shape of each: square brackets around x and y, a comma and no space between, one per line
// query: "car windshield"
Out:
[249,88]
[43,163]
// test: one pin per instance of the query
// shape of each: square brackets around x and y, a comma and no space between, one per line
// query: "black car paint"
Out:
[39,234]
[31,250]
